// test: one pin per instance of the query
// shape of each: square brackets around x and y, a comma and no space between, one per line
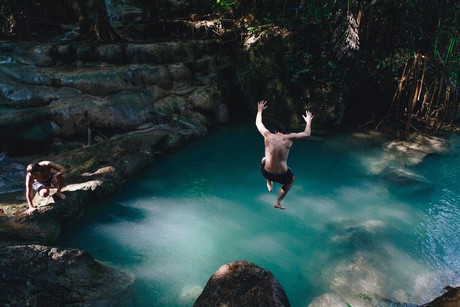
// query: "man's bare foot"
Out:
[279,207]
[269,186]
[30,211]
[60,195]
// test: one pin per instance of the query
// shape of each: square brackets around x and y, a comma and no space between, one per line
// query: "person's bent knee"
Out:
[287,186]
[44,192]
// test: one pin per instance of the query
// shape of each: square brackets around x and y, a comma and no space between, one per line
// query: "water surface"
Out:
[349,234]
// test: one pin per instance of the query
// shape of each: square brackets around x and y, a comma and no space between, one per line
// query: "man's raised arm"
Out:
[308,117]
[261,106]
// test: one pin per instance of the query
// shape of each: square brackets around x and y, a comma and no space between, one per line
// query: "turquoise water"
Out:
[349,234]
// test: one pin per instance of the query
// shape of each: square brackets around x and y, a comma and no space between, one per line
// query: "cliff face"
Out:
[62,93]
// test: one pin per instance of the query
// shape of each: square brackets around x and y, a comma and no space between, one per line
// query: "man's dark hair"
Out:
[34,167]
[283,128]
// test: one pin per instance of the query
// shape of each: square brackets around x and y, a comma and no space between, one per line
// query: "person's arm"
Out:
[29,192]
[308,117]
[58,177]
[60,170]
[261,106]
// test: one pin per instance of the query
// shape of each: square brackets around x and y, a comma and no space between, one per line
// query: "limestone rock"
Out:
[111,89]
[242,283]
[35,275]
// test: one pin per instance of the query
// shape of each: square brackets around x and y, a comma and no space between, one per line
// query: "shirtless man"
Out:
[41,177]
[277,145]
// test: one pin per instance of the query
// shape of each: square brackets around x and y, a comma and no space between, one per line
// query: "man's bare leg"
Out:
[60,195]
[284,190]
[60,185]
[269,185]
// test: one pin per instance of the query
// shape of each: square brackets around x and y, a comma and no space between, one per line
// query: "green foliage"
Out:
[225,5]
[319,58]
[6,18]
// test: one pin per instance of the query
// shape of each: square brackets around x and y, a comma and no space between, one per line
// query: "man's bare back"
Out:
[277,146]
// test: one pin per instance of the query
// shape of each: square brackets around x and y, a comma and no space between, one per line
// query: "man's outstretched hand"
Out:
[308,116]
[262,105]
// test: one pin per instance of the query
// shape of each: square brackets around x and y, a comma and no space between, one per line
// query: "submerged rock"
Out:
[404,181]
[242,283]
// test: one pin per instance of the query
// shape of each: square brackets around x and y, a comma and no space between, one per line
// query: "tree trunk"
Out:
[94,22]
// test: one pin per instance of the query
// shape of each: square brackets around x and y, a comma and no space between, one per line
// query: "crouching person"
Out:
[40,177]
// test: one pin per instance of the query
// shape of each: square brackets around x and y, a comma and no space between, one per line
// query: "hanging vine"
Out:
[427,95]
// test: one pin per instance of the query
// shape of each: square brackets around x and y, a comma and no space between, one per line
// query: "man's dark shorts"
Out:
[284,178]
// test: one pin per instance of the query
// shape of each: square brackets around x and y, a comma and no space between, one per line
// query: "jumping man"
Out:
[277,145]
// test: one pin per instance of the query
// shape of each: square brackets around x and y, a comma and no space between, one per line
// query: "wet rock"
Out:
[449,299]
[242,283]
[35,275]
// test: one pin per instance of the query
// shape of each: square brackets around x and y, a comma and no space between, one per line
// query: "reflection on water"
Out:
[351,233]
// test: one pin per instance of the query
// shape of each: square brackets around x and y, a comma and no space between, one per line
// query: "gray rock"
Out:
[242,283]
[41,101]
[449,299]
[35,275]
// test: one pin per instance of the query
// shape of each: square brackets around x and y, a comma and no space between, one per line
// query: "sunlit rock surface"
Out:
[242,283]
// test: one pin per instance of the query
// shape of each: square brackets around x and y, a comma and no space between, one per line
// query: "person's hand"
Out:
[31,210]
[262,105]
[308,116]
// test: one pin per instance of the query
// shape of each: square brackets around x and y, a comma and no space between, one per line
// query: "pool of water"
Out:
[350,233]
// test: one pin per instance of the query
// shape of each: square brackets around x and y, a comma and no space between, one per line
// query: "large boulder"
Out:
[242,283]
[35,275]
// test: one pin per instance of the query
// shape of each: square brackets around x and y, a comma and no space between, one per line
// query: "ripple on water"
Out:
[439,234]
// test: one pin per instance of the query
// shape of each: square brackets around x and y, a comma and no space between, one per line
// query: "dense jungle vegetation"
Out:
[387,61]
